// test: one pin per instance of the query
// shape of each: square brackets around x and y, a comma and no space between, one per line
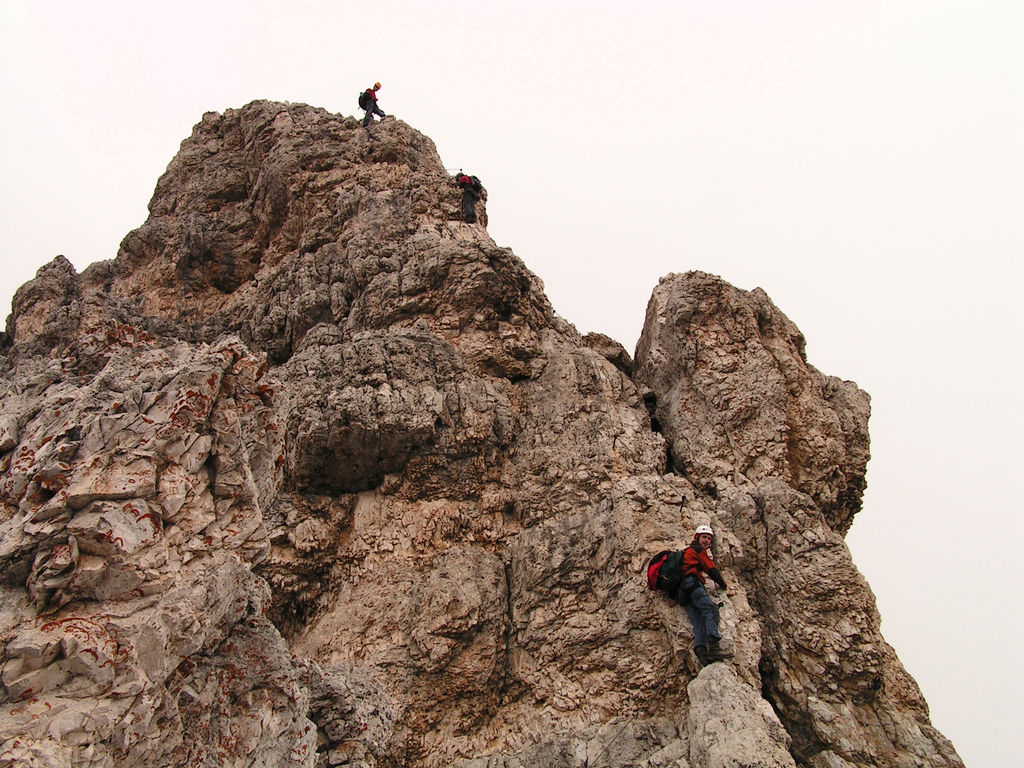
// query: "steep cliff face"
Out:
[312,475]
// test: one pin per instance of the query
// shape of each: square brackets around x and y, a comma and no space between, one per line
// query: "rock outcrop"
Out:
[311,474]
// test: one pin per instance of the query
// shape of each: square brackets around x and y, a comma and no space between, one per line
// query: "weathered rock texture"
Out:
[312,475]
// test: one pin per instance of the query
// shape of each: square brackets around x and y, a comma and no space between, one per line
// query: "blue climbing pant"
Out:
[373,110]
[469,198]
[703,615]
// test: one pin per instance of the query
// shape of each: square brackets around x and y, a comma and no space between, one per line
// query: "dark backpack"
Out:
[364,99]
[665,572]
[475,183]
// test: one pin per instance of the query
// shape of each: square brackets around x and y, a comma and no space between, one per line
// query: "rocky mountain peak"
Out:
[311,474]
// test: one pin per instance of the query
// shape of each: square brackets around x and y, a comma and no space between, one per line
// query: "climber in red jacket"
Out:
[698,565]
[368,101]
[683,575]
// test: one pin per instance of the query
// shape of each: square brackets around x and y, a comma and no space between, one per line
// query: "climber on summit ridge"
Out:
[368,103]
[682,575]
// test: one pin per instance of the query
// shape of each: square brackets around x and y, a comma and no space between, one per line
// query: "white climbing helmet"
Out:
[703,529]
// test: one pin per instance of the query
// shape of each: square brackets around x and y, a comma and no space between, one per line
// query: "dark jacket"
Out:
[469,182]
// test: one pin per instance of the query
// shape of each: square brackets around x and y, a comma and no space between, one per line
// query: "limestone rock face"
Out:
[311,474]
[737,400]
[729,725]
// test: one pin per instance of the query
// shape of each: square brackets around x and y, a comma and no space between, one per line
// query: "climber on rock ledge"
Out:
[471,189]
[682,575]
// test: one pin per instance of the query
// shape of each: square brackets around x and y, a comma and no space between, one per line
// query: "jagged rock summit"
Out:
[311,474]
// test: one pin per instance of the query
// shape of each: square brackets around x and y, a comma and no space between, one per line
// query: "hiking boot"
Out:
[717,651]
[701,652]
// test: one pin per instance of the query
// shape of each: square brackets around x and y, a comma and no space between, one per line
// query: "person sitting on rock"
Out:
[369,104]
[682,576]
[471,189]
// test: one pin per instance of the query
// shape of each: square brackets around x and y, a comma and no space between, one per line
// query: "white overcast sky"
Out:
[861,161]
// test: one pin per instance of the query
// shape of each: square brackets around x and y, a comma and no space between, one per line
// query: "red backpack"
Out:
[665,571]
